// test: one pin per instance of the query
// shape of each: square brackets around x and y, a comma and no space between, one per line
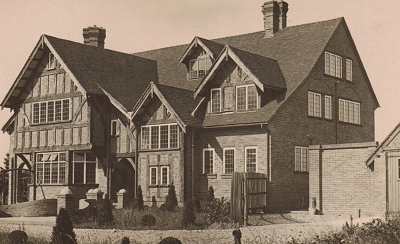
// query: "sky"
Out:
[138,25]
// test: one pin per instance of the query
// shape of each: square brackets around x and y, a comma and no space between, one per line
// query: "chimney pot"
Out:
[94,36]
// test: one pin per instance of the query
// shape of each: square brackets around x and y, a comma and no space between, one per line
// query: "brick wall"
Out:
[342,183]
[46,207]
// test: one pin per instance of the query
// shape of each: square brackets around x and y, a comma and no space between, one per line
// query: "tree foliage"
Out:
[171,202]
[63,231]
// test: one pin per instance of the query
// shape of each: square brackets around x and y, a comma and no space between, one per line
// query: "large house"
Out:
[88,117]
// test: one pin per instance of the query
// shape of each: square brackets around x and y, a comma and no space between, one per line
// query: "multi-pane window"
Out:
[50,168]
[333,65]
[153,176]
[164,175]
[314,104]
[246,97]
[229,160]
[208,161]
[215,100]
[198,67]
[85,165]
[251,159]
[51,111]
[52,62]
[160,136]
[328,107]
[349,70]
[301,159]
[349,111]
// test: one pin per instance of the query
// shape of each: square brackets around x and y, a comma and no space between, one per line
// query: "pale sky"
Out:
[138,25]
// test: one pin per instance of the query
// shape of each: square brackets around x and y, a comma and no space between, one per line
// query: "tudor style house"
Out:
[189,115]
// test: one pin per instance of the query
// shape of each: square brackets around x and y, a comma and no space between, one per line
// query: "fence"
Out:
[248,192]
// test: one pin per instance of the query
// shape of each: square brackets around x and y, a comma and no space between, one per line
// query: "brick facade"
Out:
[342,183]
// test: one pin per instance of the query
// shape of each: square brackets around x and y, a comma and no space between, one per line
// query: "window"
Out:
[160,136]
[246,97]
[51,111]
[85,165]
[328,107]
[208,161]
[229,160]
[251,159]
[52,62]
[115,128]
[153,176]
[349,111]
[398,165]
[333,65]
[314,104]
[164,175]
[199,67]
[50,168]
[349,70]
[215,100]
[301,159]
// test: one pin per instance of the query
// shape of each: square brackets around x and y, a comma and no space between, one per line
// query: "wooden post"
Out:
[245,199]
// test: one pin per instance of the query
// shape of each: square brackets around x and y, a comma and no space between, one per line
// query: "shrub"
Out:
[138,201]
[218,211]
[104,212]
[171,202]
[162,206]
[125,240]
[148,220]
[188,213]
[153,202]
[237,235]
[210,196]
[18,237]
[63,231]
[197,205]
[170,240]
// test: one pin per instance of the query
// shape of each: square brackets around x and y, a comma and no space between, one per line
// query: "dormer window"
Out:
[246,97]
[198,67]
[52,62]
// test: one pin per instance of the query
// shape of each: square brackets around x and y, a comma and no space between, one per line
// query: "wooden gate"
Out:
[248,192]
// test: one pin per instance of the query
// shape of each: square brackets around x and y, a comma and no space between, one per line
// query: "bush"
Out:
[189,216]
[125,240]
[171,202]
[210,196]
[148,220]
[170,240]
[18,237]
[153,202]
[63,231]
[162,206]
[197,205]
[218,211]
[138,201]
[104,212]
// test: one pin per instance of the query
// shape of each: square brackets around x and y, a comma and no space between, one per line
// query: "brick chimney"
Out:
[274,16]
[94,36]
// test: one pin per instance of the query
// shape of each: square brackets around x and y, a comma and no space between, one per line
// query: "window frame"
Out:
[195,74]
[115,128]
[246,98]
[151,176]
[349,69]
[148,137]
[219,90]
[328,66]
[224,160]
[346,118]
[328,115]
[296,163]
[38,113]
[85,162]
[246,158]
[204,161]
[51,62]
[161,175]
[49,160]
[314,113]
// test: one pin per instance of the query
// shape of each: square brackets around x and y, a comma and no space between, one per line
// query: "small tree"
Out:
[138,201]
[153,202]
[189,216]
[63,231]
[171,202]
[104,212]
[210,197]
[18,237]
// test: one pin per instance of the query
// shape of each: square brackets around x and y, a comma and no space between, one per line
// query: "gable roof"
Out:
[212,48]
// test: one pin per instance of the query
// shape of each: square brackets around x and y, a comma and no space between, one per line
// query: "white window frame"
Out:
[194,74]
[85,163]
[349,111]
[224,159]
[328,107]
[349,70]
[313,100]
[220,100]
[151,183]
[245,158]
[213,160]
[39,113]
[50,159]
[52,62]
[115,127]
[150,128]
[161,175]
[296,162]
[337,66]
[246,97]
